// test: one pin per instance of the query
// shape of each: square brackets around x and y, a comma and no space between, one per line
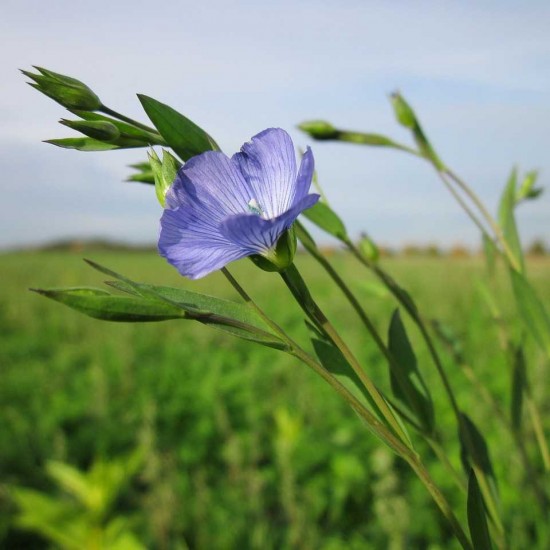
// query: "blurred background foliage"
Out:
[177,436]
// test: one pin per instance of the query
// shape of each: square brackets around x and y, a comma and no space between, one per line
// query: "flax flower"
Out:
[221,209]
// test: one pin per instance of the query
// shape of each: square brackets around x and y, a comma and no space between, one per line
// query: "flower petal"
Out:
[193,244]
[256,235]
[268,164]
[213,181]
[305,175]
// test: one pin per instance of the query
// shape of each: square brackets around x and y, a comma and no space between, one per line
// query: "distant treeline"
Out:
[536,248]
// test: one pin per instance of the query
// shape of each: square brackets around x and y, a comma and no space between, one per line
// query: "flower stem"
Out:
[375,425]
[432,439]
[297,286]
[499,235]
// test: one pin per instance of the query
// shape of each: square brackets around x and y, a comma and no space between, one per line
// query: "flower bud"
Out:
[281,257]
[527,189]
[67,91]
[164,172]
[369,249]
[403,112]
[319,129]
[97,129]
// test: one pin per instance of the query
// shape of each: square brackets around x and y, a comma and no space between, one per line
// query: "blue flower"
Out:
[221,209]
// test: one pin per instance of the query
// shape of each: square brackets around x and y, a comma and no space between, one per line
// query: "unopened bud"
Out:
[319,129]
[67,91]
[97,129]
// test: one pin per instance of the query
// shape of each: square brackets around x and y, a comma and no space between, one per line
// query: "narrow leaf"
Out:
[406,381]
[100,304]
[534,315]
[238,319]
[474,447]
[184,136]
[475,454]
[519,383]
[324,217]
[477,518]
[84,144]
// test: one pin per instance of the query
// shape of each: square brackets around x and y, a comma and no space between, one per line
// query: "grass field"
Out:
[241,446]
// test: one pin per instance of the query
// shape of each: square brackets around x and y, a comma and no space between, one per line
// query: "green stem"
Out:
[376,426]
[463,204]
[486,215]
[297,286]
[442,456]
[124,118]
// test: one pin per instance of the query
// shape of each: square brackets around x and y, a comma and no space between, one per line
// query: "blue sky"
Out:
[478,73]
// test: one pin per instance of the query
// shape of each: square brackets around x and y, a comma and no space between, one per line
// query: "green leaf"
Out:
[184,136]
[534,315]
[237,319]
[507,219]
[144,173]
[406,381]
[84,144]
[477,517]
[324,217]
[519,384]
[474,447]
[475,454]
[142,177]
[100,304]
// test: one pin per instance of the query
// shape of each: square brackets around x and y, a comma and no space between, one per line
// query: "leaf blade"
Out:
[183,135]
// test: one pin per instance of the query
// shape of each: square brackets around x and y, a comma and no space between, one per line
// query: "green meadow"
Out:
[240,446]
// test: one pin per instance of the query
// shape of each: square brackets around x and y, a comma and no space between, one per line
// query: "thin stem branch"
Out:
[124,118]
[298,288]
[487,216]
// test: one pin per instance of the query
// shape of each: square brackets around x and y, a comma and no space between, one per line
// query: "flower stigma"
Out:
[255,208]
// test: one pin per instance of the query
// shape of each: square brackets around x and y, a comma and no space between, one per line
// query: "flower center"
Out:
[255,208]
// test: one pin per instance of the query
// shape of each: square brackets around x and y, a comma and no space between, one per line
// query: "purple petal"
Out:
[255,235]
[193,244]
[268,164]
[305,175]
[212,181]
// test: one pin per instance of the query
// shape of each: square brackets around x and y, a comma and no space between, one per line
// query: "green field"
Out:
[242,446]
